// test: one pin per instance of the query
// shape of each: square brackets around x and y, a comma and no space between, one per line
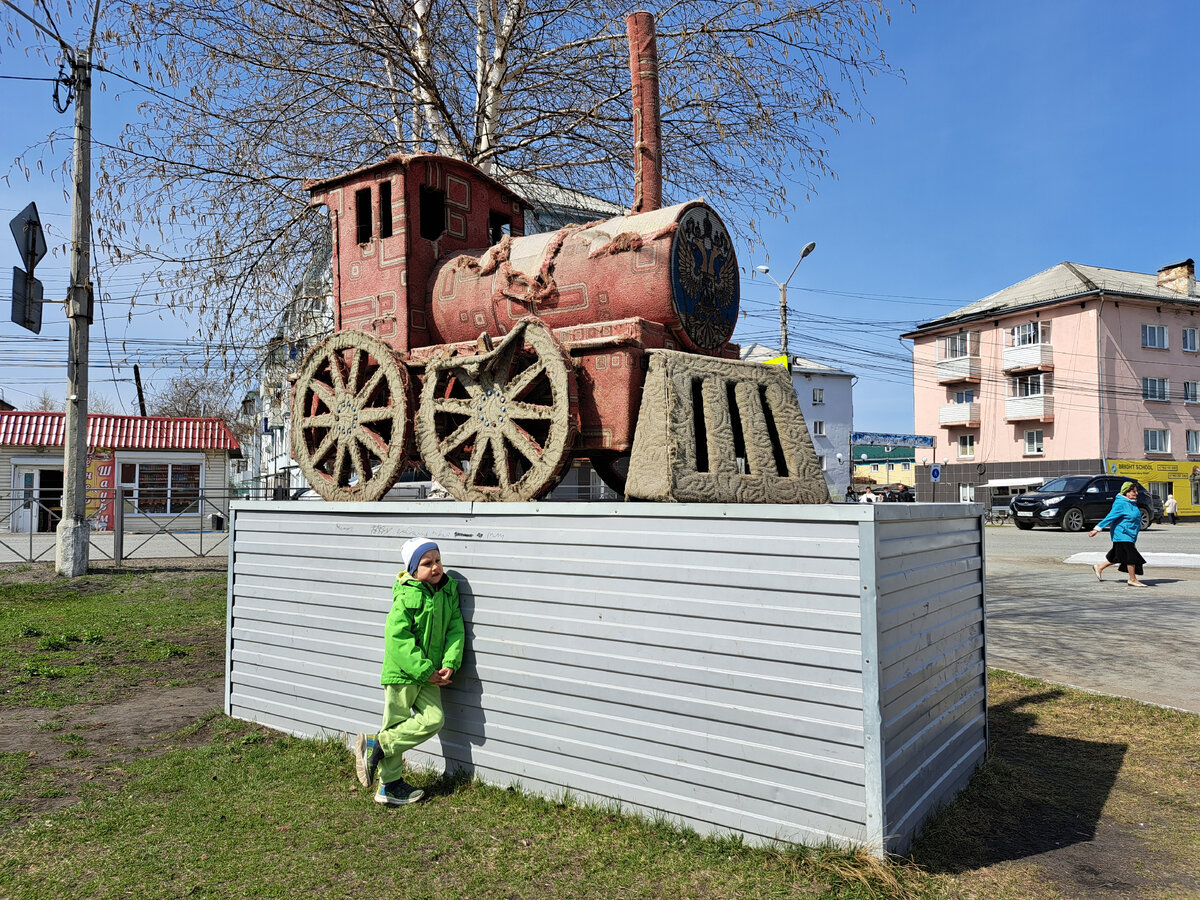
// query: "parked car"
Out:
[1071,502]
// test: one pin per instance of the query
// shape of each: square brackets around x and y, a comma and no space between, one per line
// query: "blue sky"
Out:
[1022,134]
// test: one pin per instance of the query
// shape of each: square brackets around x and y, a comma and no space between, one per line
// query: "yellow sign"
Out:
[1181,476]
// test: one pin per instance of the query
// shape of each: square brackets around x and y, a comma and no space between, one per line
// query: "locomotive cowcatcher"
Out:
[493,358]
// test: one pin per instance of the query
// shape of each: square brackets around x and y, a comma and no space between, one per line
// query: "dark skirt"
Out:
[1125,554]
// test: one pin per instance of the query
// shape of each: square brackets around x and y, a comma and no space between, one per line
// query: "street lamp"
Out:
[783,326]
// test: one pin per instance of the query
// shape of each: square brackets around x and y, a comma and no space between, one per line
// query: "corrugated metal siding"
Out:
[932,661]
[703,661]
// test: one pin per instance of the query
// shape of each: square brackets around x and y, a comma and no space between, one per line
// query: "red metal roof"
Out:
[46,429]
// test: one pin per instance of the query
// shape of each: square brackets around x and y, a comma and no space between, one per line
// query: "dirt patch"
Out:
[66,748]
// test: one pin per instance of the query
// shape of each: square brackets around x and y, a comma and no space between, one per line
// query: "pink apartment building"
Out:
[1078,369]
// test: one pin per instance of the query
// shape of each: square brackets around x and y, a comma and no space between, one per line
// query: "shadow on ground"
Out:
[1035,794]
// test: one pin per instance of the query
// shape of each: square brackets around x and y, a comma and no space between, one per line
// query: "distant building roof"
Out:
[46,429]
[761,353]
[1062,282]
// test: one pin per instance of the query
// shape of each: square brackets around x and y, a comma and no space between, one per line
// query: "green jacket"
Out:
[424,631]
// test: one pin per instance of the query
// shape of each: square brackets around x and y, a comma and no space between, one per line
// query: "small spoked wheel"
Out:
[350,416]
[500,425]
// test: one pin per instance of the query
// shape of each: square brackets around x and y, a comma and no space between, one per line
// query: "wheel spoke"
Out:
[459,436]
[355,366]
[456,405]
[376,414]
[323,449]
[369,388]
[321,420]
[521,441]
[361,469]
[324,393]
[476,459]
[523,380]
[502,363]
[372,441]
[337,378]
[339,462]
[500,462]
[519,410]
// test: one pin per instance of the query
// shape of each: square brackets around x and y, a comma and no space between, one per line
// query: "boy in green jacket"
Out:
[422,648]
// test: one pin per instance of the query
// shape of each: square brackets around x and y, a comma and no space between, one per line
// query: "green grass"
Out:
[94,639]
[254,814]
[1078,790]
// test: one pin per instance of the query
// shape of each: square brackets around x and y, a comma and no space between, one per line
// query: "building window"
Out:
[818,396]
[905,466]
[966,493]
[1154,337]
[1030,333]
[1191,392]
[1033,385]
[966,446]
[821,460]
[161,488]
[1033,442]
[956,346]
[1156,389]
[964,397]
[818,428]
[1193,442]
[1158,440]
[1189,340]
[874,467]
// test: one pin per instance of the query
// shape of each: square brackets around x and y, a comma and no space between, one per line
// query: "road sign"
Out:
[27,301]
[935,473]
[31,240]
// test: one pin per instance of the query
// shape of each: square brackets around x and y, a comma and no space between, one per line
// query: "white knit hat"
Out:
[413,550]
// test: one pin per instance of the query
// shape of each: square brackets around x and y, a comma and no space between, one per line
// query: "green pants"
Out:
[412,714]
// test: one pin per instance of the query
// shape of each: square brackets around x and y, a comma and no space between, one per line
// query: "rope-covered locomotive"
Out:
[496,358]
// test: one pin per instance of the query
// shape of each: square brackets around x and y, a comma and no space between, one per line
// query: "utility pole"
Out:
[71,551]
[783,322]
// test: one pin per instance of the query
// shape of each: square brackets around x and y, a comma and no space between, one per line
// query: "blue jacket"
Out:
[1125,519]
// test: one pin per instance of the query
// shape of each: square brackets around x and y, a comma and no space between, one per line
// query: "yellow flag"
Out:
[777,361]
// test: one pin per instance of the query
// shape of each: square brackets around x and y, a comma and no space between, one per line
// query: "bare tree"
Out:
[242,100]
[46,402]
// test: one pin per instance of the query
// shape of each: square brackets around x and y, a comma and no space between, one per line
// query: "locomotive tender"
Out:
[495,358]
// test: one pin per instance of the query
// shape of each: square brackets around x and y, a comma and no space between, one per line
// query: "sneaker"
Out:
[398,793]
[365,762]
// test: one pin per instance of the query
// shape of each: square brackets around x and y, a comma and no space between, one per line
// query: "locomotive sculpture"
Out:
[495,358]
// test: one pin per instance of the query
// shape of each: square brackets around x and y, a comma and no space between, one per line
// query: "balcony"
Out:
[958,414]
[1028,357]
[959,368]
[1038,408]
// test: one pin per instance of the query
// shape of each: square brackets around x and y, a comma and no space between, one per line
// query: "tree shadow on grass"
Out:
[1036,793]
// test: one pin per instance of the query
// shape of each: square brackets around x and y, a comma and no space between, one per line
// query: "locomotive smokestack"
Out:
[647,126]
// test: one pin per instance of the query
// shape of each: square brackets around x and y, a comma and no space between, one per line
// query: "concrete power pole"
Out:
[71,551]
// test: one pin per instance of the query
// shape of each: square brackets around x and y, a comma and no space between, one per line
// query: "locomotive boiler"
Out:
[494,358]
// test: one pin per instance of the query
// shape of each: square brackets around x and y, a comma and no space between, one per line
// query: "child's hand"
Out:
[442,676]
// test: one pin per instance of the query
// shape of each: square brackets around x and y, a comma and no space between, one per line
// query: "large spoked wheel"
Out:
[349,417]
[500,425]
[612,467]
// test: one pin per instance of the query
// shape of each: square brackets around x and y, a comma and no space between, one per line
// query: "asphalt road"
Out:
[1050,618]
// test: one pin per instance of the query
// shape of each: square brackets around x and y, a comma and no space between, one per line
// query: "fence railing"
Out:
[124,525]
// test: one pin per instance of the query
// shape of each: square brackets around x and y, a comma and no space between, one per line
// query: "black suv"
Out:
[1073,501]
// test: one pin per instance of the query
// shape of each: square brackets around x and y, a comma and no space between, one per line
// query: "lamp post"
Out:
[783,325]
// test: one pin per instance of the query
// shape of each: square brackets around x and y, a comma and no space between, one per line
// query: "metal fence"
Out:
[122,527]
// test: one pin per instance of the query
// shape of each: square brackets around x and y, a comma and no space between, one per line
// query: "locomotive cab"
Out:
[392,222]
